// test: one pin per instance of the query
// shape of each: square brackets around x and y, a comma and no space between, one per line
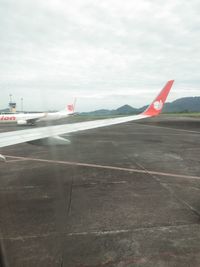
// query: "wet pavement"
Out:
[126,195]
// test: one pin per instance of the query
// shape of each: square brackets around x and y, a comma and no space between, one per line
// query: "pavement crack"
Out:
[195,211]
[70,197]
[169,190]
[163,185]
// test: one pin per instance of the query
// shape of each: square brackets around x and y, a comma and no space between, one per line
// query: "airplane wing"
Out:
[17,137]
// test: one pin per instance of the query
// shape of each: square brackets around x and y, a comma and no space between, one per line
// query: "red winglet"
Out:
[157,105]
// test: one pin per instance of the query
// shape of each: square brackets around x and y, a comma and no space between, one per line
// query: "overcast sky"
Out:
[107,53]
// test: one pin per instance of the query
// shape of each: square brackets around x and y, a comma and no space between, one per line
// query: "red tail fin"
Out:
[156,106]
[71,107]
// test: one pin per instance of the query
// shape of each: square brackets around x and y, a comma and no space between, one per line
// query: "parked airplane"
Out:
[32,118]
[54,132]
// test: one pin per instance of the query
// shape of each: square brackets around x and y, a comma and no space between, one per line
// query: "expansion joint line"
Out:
[164,185]
[169,190]
[70,196]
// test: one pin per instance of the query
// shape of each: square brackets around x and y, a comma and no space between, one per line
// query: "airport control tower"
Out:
[12,105]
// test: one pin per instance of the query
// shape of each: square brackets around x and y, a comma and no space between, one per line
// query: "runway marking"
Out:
[101,183]
[119,231]
[107,167]
[9,188]
[100,233]
[109,232]
[163,127]
[170,134]
[16,160]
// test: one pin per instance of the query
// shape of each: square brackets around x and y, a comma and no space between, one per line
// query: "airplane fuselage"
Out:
[7,118]
[31,118]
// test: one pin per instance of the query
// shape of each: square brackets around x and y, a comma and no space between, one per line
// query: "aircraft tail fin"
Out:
[156,106]
[71,107]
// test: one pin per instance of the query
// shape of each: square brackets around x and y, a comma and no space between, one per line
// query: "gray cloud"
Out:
[57,49]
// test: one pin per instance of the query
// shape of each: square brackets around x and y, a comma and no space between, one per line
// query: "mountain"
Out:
[126,109]
[185,104]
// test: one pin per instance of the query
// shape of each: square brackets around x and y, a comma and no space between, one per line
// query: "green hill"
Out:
[182,105]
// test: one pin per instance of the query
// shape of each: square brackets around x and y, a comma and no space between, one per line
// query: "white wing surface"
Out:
[17,137]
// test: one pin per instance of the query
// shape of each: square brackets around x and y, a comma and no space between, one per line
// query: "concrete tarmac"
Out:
[126,195]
